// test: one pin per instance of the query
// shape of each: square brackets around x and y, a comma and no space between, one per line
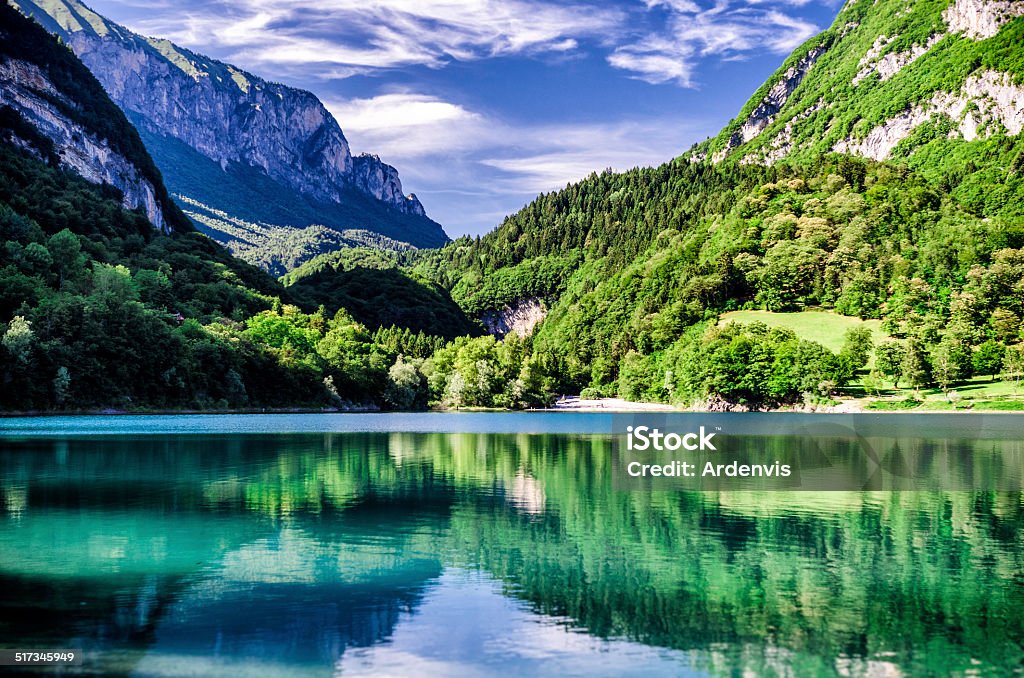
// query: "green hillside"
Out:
[370,284]
[892,80]
[664,251]
[279,249]
[927,243]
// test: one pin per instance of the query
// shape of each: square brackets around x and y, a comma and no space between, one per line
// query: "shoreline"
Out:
[577,404]
[564,404]
[114,412]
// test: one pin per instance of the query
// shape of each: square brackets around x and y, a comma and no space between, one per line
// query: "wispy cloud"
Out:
[349,36]
[691,32]
[657,61]
[546,157]
[657,41]
[414,129]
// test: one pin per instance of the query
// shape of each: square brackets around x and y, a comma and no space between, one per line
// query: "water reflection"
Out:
[462,553]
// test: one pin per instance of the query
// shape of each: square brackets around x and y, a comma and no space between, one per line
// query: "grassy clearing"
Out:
[823,327]
[979,393]
[828,329]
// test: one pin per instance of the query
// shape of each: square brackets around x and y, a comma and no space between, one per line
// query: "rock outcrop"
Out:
[781,144]
[380,180]
[769,107]
[892,63]
[981,19]
[985,99]
[518,318]
[26,89]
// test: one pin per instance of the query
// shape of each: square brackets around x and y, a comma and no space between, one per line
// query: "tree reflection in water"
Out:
[290,551]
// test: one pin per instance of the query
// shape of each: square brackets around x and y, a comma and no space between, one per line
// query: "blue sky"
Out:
[483,104]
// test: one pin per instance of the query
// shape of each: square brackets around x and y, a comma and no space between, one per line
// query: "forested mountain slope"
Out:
[635,267]
[378,289]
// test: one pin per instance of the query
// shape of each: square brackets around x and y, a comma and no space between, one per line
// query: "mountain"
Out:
[879,173]
[110,299]
[620,284]
[231,143]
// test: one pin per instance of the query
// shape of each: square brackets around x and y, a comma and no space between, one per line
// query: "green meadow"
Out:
[823,327]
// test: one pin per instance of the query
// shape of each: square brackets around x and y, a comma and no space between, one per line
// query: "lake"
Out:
[472,544]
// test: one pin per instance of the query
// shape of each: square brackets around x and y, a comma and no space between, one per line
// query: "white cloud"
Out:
[400,110]
[727,30]
[548,157]
[410,125]
[345,36]
[341,38]
[675,5]
[657,61]
[411,129]
[797,3]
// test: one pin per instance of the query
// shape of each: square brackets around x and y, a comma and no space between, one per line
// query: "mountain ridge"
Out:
[243,126]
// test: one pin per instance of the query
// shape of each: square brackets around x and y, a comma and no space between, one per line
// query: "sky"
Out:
[483,104]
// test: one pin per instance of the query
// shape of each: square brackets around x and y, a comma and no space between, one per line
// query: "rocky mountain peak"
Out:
[376,178]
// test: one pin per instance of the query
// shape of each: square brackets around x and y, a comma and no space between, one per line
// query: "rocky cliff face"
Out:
[889,77]
[27,90]
[519,318]
[772,102]
[286,133]
[231,116]
[985,100]
[380,180]
[893,62]
[236,120]
[980,19]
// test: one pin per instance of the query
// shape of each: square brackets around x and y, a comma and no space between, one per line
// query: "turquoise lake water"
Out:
[482,543]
